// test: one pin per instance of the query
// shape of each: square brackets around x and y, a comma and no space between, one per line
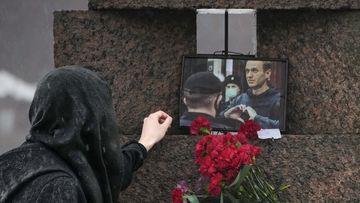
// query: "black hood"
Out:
[72,114]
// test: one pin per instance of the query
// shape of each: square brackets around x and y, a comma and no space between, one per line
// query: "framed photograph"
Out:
[231,90]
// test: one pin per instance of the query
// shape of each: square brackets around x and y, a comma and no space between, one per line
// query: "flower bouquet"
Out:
[227,168]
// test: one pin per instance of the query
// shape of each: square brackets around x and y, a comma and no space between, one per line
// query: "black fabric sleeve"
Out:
[133,155]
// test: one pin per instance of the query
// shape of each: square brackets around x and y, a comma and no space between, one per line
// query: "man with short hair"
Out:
[202,97]
[261,102]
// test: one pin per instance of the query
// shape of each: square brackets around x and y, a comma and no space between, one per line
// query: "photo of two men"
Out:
[230,91]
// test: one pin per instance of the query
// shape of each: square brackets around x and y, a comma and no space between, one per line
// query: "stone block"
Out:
[139,52]
[324,67]
[318,168]
[195,4]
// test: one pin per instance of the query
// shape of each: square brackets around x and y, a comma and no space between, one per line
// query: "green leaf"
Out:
[241,176]
[204,131]
[191,198]
[222,198]
[231,197]
[283,187]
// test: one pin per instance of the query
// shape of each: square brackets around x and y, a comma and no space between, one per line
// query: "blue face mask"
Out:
[231,91]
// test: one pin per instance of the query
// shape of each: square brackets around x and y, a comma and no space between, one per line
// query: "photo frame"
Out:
[228,90]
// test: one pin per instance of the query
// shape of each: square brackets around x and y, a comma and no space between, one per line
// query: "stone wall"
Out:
[324,67]
[194,4]
[139,53]
[318,168]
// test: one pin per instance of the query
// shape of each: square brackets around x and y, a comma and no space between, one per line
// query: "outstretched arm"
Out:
[133,153]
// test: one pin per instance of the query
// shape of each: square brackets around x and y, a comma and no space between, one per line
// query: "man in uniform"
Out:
[261,102]
[232,86]
[202,97]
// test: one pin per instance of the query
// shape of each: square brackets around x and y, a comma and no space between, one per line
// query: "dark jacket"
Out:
[72,152]
[266,105]
[33,173]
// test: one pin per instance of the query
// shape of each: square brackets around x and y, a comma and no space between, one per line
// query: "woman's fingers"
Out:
[159,114]
[154,128]
[167,122]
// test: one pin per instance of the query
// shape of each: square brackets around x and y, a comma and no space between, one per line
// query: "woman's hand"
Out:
[154,129]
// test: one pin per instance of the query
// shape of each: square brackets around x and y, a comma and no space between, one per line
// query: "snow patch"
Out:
[12,86]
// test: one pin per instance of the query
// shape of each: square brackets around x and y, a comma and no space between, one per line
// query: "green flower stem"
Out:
[231,197]
[191,198]
[244,171]
[254,188]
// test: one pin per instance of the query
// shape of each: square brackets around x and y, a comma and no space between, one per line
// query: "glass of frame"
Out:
[230,90]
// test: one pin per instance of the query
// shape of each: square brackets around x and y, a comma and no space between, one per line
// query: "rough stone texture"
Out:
[324,67]
[194,4]
[140,52]
[319,168]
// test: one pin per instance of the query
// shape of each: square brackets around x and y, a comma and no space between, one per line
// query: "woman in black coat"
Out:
[72,152]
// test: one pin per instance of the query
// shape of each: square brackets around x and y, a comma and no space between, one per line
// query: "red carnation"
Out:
[241,137]
[201,147]
[250,129]
[248,153]
[231,175]
[200,126]
[215,144]
[177,195]
[215,185]
[220,157]
[256,151]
